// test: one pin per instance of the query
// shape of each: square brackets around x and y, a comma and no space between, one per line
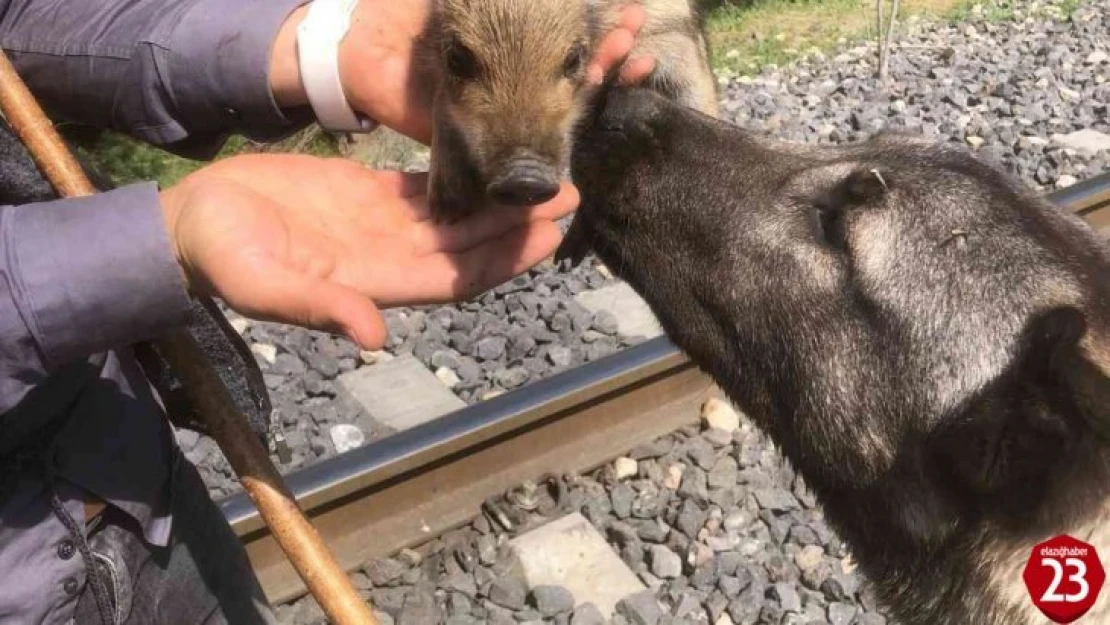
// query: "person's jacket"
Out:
[82,279]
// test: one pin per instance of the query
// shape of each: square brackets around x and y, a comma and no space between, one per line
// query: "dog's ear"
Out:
[1050,341]
[454,190]
[841,186]
[1071,360]
[1043,373]
[864,185]
[1015,430]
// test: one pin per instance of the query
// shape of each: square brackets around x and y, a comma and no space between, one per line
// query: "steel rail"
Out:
[421,482]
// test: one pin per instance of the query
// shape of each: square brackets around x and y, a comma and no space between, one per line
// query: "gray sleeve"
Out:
[79,276]
[181,74]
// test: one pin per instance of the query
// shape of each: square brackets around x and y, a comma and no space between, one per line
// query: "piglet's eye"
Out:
[461,62]
[576,58]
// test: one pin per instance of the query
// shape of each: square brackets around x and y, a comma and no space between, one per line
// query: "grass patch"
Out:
[995,12]
[748,37]
[128,160]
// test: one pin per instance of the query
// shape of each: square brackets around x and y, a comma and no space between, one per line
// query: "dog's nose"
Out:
[524,182]
[628,109]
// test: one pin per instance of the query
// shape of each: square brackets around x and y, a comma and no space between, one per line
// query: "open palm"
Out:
[323,242]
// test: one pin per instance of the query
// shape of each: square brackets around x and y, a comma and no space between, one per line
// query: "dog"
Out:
[925,339]
[509,87]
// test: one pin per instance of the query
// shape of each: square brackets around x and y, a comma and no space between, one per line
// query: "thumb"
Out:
[273,292]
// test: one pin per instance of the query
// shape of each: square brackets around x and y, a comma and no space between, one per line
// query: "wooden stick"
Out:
[879,30]
[885,56]
[299,540]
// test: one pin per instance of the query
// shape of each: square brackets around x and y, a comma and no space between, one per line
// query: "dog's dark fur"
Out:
[924,338]
[509,86]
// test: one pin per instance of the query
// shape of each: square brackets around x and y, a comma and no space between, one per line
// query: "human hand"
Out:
[323,243]
[382,78]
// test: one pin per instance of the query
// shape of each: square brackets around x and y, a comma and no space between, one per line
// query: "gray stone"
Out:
[420,609]
[512,377]
[776,500]
[687,605]
[288,365]
[587,614]
[841,613]
[509,592]
[665,563]
[560,356]
[691,519]
[787,596]
[307,612]
[724,473]
[186,439]
[840,587]
[694,486]
[383,571]
[632,312]
[461,582]
[551,600]
[487,549]
[640,608]
[459,604]
[621,497]
[490,348]
[651,530]
[530,616]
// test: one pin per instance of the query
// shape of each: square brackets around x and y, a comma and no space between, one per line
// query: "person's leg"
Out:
[202,578]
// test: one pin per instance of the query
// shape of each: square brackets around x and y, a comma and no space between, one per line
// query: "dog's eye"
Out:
[461,62]
[576,58]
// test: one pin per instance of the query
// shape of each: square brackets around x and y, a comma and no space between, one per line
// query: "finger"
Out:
[617,44]
[267,289]
[491,223]
[637,69]
[452,277]
[614,47]
[498,261]
[633,18]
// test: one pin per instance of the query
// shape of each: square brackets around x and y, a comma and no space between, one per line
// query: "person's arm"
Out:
[79,276]
[180,74]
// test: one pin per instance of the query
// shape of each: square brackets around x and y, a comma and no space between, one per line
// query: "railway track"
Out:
[419,483]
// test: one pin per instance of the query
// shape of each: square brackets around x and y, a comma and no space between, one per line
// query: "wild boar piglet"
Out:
[510,86]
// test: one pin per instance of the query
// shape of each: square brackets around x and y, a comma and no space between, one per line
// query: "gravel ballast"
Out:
[710,518]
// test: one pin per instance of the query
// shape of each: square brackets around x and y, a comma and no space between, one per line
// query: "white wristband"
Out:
[318,36]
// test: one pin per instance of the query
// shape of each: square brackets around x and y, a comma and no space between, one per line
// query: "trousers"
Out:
[201,577]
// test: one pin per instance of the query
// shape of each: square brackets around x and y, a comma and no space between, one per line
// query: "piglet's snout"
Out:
[524,181]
